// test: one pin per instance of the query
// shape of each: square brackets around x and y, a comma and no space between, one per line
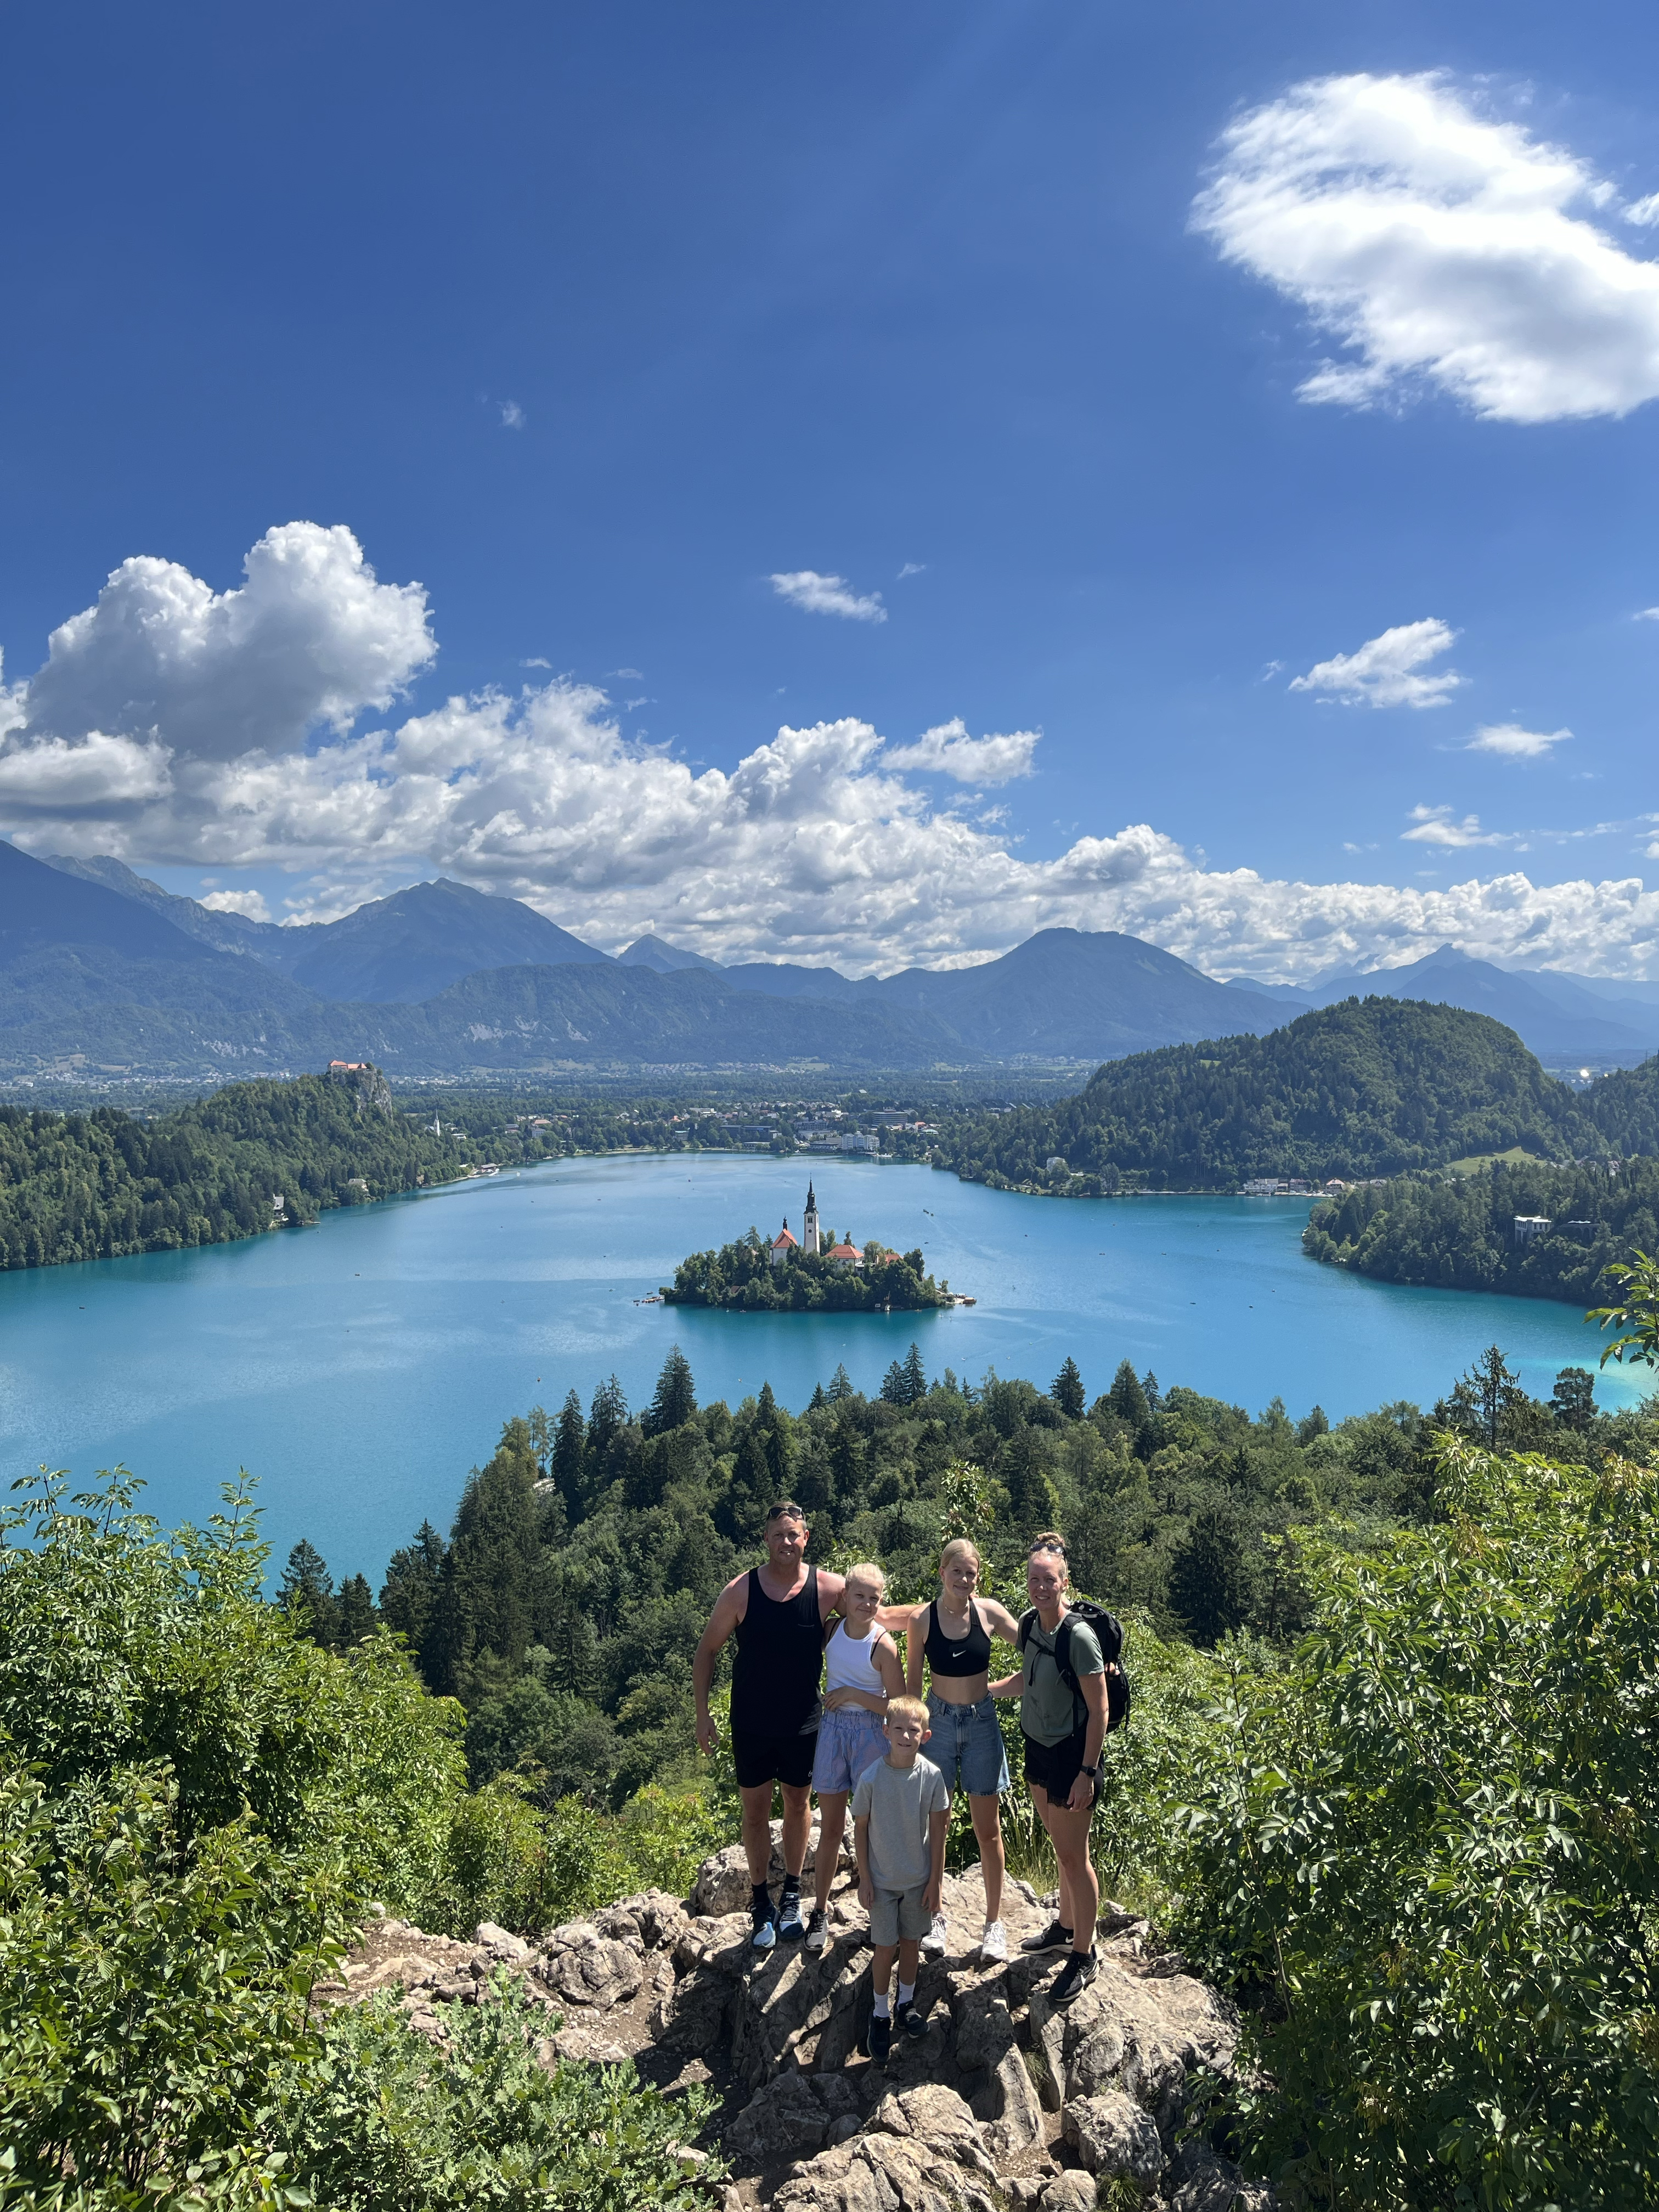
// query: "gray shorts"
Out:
[896,1913]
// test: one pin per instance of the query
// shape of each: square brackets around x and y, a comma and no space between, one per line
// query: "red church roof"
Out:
[783,1239]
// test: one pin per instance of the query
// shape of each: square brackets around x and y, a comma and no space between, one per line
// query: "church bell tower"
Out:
[809,1228]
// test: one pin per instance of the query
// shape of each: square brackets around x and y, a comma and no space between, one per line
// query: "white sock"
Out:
[884,2005]
[907,1991]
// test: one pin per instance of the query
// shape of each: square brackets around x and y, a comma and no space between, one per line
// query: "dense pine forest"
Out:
[253,1156]
[1520,1226]
[1370,1087]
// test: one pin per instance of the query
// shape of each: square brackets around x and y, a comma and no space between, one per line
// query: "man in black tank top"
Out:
[777,1614]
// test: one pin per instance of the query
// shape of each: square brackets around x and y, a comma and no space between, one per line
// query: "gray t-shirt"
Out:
[1047,1711]
[897,1802]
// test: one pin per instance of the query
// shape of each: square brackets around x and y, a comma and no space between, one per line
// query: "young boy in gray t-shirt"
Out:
[900,1808]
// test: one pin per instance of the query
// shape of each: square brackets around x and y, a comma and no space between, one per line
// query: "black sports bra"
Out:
[947,1657]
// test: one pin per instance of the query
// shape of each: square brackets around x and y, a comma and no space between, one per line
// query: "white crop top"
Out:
[850,1661]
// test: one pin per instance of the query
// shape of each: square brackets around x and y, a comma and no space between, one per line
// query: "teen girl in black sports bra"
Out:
[950,1637]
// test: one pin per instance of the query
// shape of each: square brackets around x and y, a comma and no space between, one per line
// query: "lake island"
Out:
[814,1272]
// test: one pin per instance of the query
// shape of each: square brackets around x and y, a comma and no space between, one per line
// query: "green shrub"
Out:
[1428,1854]
[380,2118]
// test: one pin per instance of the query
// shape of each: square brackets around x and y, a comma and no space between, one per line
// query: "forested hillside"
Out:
[1370,1087]
[564,1605]
[1459,1231]
[102,1184]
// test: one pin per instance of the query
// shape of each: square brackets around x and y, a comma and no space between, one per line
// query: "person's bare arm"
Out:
[1011,1686]
[721,1623]
[997,1619]
[1092,1690]
[915,1649]
[936,1824]
[830,1593]
[861,1853]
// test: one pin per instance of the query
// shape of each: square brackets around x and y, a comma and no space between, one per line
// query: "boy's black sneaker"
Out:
[791,1926]
[764,1933]
[1077,1973]
[913,2019]
[879,2041]
[1054,1937]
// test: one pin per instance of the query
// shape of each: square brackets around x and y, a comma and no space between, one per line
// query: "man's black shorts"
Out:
[1053,1766]
[773,1758]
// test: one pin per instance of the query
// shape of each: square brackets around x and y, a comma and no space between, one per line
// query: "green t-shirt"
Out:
[1047,1711]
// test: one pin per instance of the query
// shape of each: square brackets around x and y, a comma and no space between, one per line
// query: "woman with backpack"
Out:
[951,1635]
[1063,1715]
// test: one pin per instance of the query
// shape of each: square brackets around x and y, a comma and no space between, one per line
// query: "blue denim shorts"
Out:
[848,1740]
[967,1747]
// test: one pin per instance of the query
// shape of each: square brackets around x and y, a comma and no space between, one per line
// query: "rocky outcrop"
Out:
[1005,2104]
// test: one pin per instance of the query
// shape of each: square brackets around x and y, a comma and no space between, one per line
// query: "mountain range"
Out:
[101,969]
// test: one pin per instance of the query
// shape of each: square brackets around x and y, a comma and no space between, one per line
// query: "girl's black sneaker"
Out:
[1054,1937]
[879,2041]
[1077,1973]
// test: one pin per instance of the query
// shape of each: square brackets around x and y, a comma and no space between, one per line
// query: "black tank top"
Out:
[780,1661]
[944,1656]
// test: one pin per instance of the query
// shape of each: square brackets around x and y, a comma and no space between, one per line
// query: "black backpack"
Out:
[1109,1634]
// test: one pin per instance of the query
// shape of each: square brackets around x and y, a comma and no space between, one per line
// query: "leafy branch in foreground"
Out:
[1430,1864]
[1638,1315]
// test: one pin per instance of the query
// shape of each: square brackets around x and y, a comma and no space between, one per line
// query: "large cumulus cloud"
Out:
[231,739]
[1441,246]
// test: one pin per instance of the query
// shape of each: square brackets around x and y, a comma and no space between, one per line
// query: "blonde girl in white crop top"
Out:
[861,1672]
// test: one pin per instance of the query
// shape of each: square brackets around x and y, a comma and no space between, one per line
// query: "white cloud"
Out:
[828,595]
[947,750]
[1440,246]
[512,416]
[251,904]
[309,641]
[1435,826]
[1511,742]
[1646,613]
[816,846]
[912,568]
[1384,673]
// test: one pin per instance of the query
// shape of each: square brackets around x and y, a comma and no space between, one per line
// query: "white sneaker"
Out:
[994,1943]
[933,1941]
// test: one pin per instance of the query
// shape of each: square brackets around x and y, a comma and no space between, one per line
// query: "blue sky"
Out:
[593,322]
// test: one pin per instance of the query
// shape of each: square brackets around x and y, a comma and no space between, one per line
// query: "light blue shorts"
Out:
[848,1741]
[967,1747]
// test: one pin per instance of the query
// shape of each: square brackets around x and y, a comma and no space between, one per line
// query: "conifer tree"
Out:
[916,1376]
[1066,1390]
[841,1386]
[409,1595]
[356,1611]
[606,1419]
[1126,1398]
[1572,1402]
[487,1597]
[676,1400]
[308,1591]
[571,1456]
[892,1386]
[1209,1581]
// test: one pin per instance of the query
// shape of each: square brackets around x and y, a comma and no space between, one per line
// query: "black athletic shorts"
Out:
[773,1757]
[1054,1766]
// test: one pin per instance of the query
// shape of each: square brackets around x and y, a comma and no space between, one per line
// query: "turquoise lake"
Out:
[359,1369]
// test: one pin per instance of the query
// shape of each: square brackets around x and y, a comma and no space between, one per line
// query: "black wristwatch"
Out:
[1093,1773]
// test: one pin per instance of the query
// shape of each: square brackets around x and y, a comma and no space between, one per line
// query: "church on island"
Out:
[840,1256]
